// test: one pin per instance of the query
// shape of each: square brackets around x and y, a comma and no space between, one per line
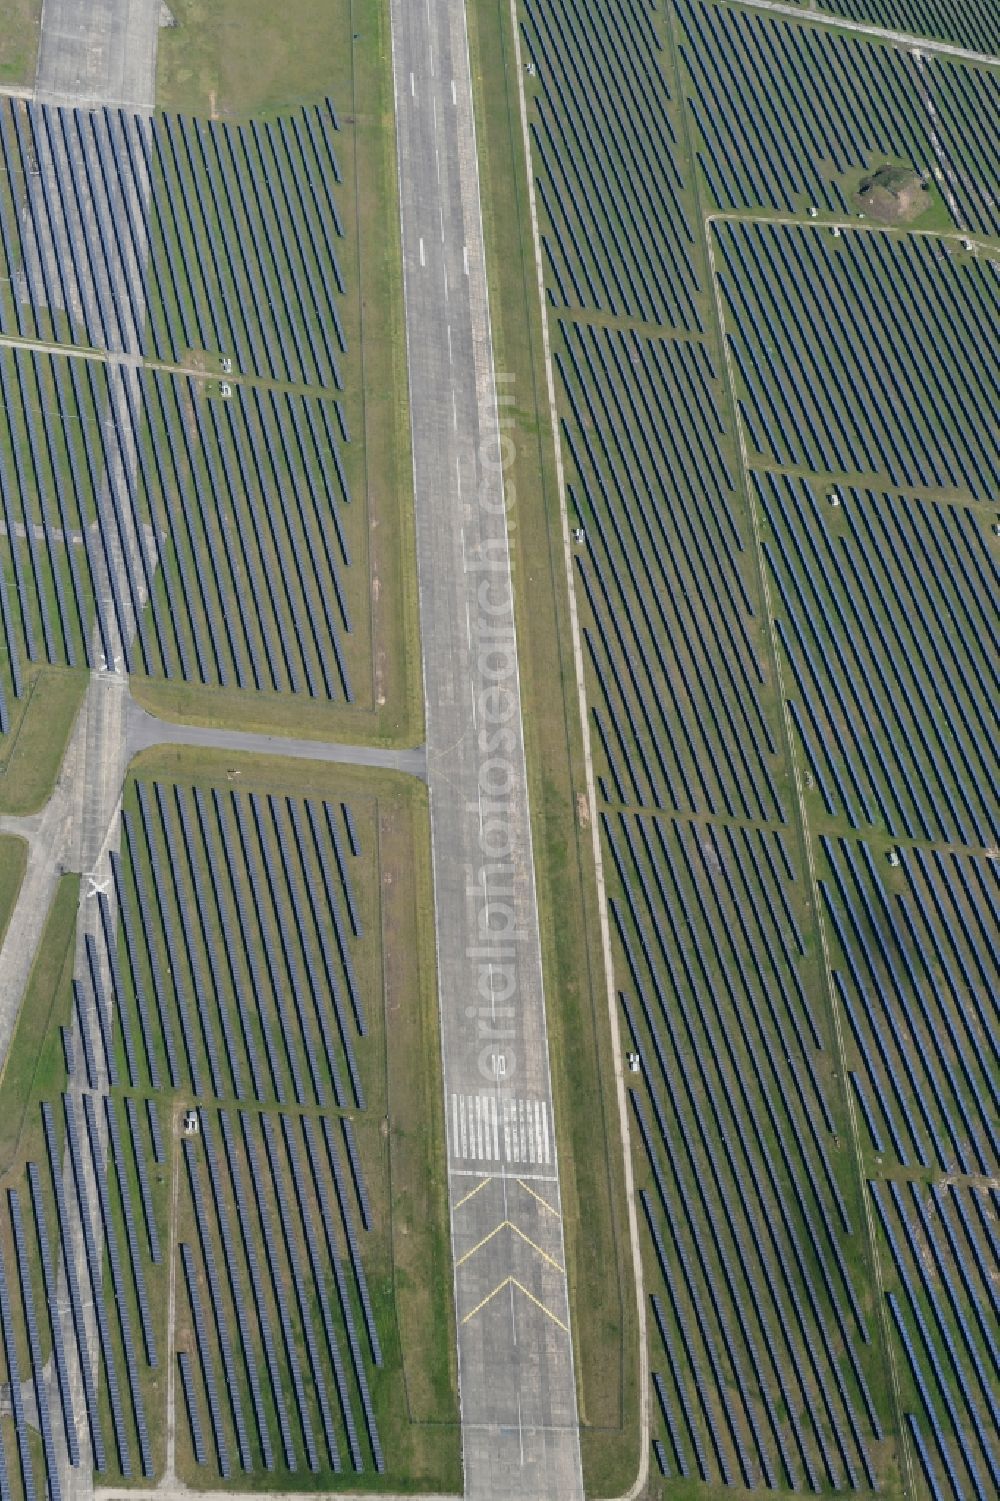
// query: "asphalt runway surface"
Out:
[517,1386]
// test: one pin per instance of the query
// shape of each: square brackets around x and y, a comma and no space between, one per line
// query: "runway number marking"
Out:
[423,258]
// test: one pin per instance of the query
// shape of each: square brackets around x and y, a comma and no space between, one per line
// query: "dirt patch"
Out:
[582,810]
[895,195]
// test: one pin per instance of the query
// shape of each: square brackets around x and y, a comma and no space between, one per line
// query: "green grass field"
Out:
[601,1285]
[31,755]
[19,42]
[13,862]
[35,1069]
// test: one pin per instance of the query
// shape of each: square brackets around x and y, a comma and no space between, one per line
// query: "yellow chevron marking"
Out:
[508,1225]
[528,1241]
[513,1282]
[538,1304]
[485,1241]
[472,1193]
[544,1202]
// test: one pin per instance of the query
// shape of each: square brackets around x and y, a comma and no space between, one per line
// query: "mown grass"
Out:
[19,41]
[31,755]
[235,58]
[601,1284]
[35,1067]
[13,862]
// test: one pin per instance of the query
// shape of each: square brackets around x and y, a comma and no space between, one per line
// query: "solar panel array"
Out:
[51,536]
[918,974]
[246,497]
[965,23]
[231,231]
[784,111]
[144,489]
[35,1346]
[886,619]
[782,511]
[247,939]
[616,217]
[88,1208]
[21,1425]
[282,1264]
[830,339]
[668,621]
[55,1323]
[943,1254]
[748,1213]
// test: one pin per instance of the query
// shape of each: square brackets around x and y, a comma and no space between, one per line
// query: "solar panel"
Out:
[76,1306]
[205,1356]
[218,1307]
[55,1320]
[21,1426]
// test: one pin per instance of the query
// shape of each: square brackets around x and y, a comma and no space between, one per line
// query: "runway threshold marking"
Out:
[509,1225]
[513,1282]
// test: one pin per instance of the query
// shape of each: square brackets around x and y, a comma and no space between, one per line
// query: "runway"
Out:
[517,1385]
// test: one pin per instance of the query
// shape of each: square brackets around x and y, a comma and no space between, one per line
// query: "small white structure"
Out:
[634,1064]
[834,498]
[227,365]
[225,389]
[579,535]
[813,211]
[893,857]
[191,1122]
[836,231]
